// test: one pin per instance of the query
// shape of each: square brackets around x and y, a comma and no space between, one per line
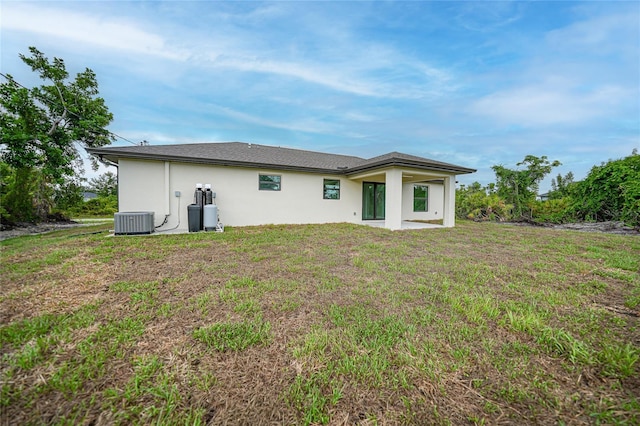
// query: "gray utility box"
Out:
[133,223]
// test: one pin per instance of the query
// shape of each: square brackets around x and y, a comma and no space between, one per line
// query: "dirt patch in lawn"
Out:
[609,227]
[22,229]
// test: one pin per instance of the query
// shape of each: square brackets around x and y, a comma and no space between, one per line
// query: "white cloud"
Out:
[121,35]
[599,35]
[303,125]
[363,68]
[359,116]
[548,105]
[582,74]
[401,78]
[487,16]
[313,74]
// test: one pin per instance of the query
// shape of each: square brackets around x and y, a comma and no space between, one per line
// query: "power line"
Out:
[8,78]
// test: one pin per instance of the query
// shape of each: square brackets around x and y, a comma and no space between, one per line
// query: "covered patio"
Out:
[394,214]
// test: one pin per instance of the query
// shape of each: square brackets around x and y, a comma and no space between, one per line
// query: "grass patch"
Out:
[229,336]
[315,324]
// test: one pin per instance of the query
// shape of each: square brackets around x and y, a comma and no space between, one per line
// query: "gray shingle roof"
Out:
[264,156]
[400,159]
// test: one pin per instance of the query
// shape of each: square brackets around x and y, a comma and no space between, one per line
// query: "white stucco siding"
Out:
[435,200]
[141,187]
[240,202]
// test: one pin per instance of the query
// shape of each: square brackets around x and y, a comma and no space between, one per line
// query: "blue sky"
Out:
[471,83]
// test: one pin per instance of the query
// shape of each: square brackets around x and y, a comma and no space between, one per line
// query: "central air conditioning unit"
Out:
[133,223]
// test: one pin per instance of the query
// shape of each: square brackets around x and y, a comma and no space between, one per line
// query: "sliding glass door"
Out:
[373,201]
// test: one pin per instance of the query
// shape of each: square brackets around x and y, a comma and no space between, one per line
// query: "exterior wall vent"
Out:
[133,223]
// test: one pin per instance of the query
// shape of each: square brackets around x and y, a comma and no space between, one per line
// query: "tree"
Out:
[40,127]
[561,186]
[610,191]
[25,194]
[69,195]
[105,185]
[519,187]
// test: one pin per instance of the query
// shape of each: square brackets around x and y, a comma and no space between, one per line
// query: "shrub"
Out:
[100,206]
[553,211]
[611,191]
[481,203]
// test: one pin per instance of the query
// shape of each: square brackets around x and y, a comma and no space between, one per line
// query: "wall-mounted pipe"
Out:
[167,189]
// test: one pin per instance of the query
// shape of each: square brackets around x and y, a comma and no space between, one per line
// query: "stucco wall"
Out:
[143,188]
[435,200]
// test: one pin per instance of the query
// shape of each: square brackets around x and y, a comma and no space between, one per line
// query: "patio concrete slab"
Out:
[405,224]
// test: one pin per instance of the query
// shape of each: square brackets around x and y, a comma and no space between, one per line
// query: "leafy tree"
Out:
[561,186]
[69,196]
[519,187]
[40,127]
[105,185]
[610,191]
[24,194]
[5,175]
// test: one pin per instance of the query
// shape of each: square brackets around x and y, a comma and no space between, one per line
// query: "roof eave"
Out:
[404,163]
[115,156]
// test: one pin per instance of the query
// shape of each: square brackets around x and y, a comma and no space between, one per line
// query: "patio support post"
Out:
[449,213]
[393,199]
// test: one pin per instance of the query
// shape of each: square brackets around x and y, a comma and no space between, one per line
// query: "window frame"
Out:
[325,189]
[260,182]
[425,198]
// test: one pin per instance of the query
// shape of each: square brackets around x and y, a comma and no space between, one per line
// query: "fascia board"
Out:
[114,156]
[403,163]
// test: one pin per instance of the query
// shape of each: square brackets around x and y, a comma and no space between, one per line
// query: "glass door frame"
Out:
[377,198]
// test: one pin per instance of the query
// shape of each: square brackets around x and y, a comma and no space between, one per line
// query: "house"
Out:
[259,184]
[89,195]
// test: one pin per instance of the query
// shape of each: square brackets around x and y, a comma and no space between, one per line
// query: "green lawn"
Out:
[321,324]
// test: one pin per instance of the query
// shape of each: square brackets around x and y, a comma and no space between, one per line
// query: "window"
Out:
[331,189]
[420,198]
[269,182]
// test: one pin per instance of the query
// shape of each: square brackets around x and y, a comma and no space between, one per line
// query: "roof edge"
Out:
[113,155]
[399,162]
